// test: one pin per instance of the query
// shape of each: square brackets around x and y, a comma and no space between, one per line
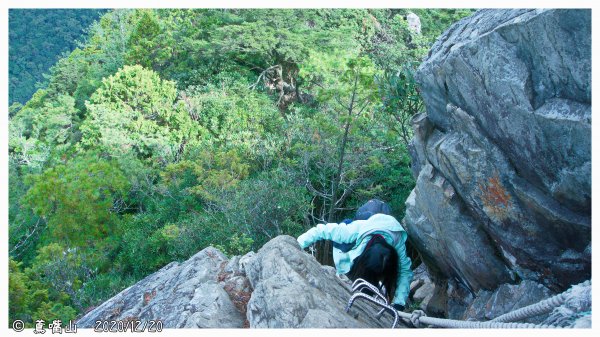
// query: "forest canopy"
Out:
[37,39]
[169,130]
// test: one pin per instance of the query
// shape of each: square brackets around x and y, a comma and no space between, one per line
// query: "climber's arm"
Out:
[340,233]
[405,274]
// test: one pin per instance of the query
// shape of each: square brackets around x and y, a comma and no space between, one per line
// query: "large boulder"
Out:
[292,290]
[574,312]
[502,156]
[180,295]
[414,23]
[280,286]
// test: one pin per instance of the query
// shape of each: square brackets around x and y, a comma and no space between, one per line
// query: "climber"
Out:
[371,247]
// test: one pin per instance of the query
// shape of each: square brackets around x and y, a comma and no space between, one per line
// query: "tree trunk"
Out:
[338,177]
[325,253]
[325,248]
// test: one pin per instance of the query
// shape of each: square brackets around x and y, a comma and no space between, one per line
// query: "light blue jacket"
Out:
[360,231]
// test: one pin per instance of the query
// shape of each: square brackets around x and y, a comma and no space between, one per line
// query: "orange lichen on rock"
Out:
[495,197]
[148,296]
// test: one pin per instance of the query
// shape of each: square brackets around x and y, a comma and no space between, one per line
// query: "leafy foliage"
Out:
[29,298]
[33,51]
[77,199]
[401,100]
[234,116]
[171,130]
[43,130]
[134,110]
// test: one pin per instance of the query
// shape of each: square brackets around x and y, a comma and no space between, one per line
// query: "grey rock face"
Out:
[575,312]
[454,242]
[502,157]
[421,285]
[429,295]
[414,23]
[459,298]
[506,298]
[292,290]
[181,295]
[281,286]
[577,309]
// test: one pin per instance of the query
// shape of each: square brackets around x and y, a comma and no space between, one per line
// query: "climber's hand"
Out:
[398,307]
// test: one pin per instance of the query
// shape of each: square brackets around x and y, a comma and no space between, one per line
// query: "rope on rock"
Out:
[536,309]
[418,318]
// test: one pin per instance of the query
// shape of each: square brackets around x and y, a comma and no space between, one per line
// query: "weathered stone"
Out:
[448,237]
[574,312]
[181,295]
[280,286]
[245,259]
[233,267]
[415,285]
[436,304]
[459,298]
[502,157]
[430,296]
[292,290]
[414,23]
[421,280]
[508,297]
[211,307]
[577,309]
[424,292]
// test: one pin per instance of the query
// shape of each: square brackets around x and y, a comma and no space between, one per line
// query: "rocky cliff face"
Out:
[502,156]
[280,286]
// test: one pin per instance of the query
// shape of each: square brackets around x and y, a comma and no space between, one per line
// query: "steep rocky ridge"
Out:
[280,286]
[502,155]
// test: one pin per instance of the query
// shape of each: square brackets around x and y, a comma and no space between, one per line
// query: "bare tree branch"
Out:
[263,74]
[24,240]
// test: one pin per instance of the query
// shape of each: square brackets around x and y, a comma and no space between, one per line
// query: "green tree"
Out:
[103,53]
[134,110]
[143,43]
[60,272]
[78,199]
[235,117]
[212,171]
[18,293]
[33,51]
[340,155]
[346,89]
[43,130]
[30,299]
[25,228]
[401,100]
